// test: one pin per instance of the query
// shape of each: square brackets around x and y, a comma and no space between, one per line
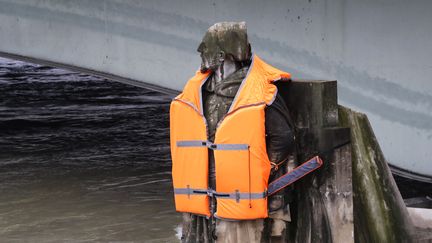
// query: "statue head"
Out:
[224,40]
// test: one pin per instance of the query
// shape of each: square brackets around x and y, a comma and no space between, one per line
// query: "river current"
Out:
[82,159]
[86,159]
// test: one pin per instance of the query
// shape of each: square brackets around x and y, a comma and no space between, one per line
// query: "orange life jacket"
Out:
[242,166]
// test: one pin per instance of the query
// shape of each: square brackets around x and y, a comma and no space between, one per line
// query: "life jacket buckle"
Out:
[210,193]
[237,196]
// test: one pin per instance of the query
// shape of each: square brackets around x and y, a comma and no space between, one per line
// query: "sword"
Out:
[294,175]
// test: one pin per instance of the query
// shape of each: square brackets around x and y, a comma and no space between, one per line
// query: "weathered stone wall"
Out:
[380,214]
[323,209]
[353,197]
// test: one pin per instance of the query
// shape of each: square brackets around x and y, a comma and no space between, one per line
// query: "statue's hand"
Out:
[276,202]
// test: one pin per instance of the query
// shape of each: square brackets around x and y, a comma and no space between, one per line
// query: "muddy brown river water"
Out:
[82,159]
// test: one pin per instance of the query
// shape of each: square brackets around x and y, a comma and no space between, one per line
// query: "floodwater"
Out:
[82,159]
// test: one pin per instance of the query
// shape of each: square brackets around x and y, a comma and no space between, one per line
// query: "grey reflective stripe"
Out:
[192,143]
[189,104]
[241,195]
[200,143]
[189,191]
[230,147]
[274,96]
[236,195]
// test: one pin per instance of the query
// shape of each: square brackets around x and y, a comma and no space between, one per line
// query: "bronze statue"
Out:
[226,52]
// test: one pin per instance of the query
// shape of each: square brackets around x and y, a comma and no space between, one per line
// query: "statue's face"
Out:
[221,39]
[212,55]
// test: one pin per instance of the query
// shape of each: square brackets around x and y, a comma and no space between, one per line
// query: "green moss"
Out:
[378,213]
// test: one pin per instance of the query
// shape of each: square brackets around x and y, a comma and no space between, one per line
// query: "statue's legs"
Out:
[239,231]
[252,230]
[195,229]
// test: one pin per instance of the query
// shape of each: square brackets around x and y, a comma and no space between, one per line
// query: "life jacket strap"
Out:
[189,191]
[237,195]
[213,146]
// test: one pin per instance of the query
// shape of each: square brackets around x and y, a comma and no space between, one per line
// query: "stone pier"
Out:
[323,208]
[353,197]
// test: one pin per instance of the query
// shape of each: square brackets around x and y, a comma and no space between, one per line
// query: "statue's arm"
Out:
[280,144]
